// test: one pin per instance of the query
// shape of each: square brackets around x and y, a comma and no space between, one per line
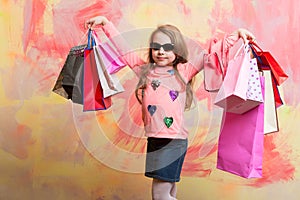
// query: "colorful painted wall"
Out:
[50,149]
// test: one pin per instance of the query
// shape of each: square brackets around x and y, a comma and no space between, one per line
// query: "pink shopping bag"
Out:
[111,58]
[240,148]
[109,82]
[241,89]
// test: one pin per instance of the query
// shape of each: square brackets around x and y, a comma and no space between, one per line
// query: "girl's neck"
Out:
[163,71]
[162,67]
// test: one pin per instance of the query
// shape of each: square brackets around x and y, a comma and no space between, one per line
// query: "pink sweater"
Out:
[163,102]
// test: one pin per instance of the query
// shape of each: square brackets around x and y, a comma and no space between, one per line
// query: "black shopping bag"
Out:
[70,80]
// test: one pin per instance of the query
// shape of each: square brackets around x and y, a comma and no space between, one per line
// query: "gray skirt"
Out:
[165,158]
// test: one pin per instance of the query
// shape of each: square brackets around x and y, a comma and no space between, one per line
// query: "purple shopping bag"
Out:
[111,58]
[240,148]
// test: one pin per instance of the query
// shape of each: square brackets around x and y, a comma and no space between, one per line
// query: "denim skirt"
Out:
[164,158]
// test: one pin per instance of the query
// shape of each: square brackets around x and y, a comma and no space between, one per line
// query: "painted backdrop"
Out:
[50,149]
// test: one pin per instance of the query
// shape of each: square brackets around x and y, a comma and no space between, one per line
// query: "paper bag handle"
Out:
[239,50]
[255,47]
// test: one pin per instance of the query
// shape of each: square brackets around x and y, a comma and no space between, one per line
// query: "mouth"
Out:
[161,58]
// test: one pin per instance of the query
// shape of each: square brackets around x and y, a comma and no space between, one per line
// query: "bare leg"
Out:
[161,190]
[173,190]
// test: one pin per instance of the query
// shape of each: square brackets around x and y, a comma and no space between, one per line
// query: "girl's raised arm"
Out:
[218,50]
[216,60]
[222,46]
[129,56]
[199,57]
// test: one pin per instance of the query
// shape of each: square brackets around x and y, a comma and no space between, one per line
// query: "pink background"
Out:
[50,149]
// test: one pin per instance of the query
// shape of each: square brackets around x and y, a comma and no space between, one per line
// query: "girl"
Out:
[164,91]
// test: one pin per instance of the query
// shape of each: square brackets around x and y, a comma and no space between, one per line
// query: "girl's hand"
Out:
[246,35]
[99,20]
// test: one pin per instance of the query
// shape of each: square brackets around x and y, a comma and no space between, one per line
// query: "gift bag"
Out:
[70,80]
[240,147]
[278,75]
[111,58]
[109,82]
[265,58]
[93,98]
[241,89]
[277,97]
[270,116]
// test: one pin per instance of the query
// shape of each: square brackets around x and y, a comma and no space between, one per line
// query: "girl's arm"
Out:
[128,55]
[200,58]
[216,61]
[195,60]
[222,46]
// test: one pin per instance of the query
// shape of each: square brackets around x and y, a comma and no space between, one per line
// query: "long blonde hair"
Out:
[181,52]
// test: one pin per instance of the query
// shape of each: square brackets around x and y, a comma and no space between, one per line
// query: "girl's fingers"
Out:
[246,35]
[89,24]
[92,22]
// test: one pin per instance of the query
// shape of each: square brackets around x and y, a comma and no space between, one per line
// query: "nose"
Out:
[161,50]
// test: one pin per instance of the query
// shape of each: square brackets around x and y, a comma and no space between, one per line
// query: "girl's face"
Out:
[162,50]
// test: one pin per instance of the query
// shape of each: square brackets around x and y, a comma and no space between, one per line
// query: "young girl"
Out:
[164,91]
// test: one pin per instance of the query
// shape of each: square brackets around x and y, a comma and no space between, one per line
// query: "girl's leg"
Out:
[174,190]
[161,190]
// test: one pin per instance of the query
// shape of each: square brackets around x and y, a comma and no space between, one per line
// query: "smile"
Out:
[161,58]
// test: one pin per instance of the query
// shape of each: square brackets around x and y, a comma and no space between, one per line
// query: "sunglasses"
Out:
[156,46]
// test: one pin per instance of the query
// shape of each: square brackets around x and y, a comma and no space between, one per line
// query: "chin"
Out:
[162,64]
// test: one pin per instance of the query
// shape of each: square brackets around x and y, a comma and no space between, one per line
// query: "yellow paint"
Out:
[47,20]
[153,13]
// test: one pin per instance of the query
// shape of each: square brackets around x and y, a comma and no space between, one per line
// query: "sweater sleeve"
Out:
[195,61]
[216,61]
[222,46]
[128,55]
[199,58]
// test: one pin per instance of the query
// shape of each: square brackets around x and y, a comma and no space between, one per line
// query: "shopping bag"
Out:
[70,79]
[270,116]
[109,82]
[240,146]
[278,76]
[93,98]
[241,89]
[265,58]
[277,97]
[111,58]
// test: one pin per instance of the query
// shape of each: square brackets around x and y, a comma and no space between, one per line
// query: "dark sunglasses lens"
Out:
[155,46]
[168,47]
